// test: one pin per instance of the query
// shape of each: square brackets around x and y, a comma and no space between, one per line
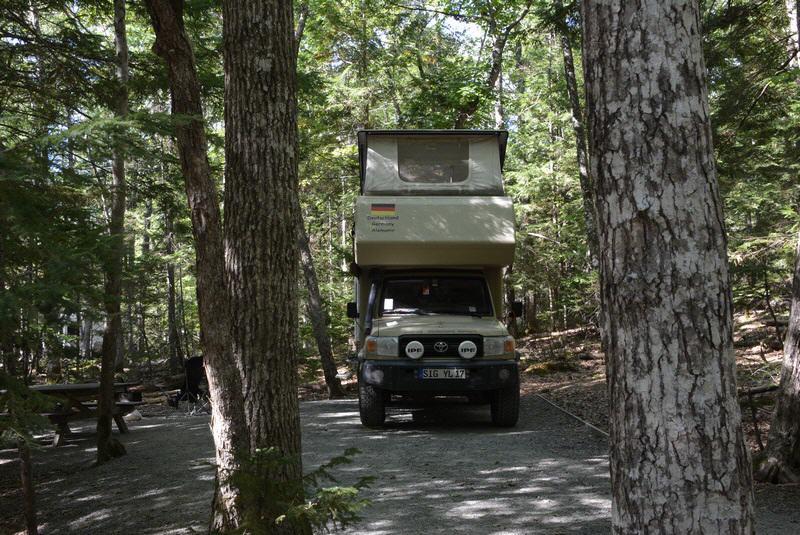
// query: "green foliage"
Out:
[306,505]
[361,64]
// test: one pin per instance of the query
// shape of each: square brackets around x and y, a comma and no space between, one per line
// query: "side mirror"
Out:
[516,309]
[352,310]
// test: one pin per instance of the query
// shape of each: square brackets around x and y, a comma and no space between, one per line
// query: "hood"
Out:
[400,324]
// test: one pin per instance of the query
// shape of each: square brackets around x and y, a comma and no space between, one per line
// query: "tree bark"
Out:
[260,235]
[107,446]
[581,150]
[782,463]
[317,313]
[679,463]
[228,426]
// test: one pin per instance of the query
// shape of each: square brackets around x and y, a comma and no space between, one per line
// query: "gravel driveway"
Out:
[440,470]
[447,470]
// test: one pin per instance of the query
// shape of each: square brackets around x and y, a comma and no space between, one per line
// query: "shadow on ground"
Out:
[439,470]
[447,470]
[163,485]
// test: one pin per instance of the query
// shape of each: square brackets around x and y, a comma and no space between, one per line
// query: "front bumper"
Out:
[404,375]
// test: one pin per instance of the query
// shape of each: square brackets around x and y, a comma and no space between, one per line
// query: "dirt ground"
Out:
[568,368]
[439,470]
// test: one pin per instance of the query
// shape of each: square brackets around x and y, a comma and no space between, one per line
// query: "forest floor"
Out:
[547,475]
[568,368]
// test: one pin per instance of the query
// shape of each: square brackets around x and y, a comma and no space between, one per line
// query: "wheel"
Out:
[371,405]
[505,406]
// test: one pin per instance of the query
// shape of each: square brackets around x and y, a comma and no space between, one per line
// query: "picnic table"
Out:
[79,401]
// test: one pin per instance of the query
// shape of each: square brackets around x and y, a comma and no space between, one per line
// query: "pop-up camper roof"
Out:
[432,162]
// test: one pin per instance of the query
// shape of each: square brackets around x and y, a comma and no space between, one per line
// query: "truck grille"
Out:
[434,344]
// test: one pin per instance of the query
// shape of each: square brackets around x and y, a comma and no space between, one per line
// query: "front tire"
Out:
[371,405]
[505,406]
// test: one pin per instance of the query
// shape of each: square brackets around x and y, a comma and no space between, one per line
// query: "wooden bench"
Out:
[61,419]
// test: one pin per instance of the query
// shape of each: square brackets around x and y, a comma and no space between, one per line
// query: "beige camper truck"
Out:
[433,233]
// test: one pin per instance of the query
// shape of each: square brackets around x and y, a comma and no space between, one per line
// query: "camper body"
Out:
[433,233]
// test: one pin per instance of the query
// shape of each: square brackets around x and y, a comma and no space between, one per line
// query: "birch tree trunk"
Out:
[107,446]
[793,43]
[679,463]
[317,314]
[260,235]
[228,426]
[782,464]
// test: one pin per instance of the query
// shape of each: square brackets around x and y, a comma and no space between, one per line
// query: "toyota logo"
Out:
[440,347]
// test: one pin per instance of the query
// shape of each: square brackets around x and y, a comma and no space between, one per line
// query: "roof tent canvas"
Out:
[432,162]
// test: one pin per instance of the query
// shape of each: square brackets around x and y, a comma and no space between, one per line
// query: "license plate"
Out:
[443,373]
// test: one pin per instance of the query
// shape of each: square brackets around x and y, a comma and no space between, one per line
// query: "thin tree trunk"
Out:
[511,321]
[187,343]
[175,350]
[500,38]
[317,314]
[141,343]
[260,235]
[28,489]
[793,43]
[581,151]
[87,336]
[782,464]
[679,463]
[469,108]
[107,446]
[228,426]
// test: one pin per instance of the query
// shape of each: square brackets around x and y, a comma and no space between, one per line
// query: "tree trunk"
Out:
[793,44]
[260,235]
[317,314]
[511,321]
[87,336]
[679,463]
[141,343]
[580,145]
[782,464]
[28,489]
[469,108]
[222,370]
[107,446]
[175,350]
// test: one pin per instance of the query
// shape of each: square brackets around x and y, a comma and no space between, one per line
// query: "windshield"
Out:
[435,295]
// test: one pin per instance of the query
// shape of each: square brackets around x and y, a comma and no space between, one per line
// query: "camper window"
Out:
[438,160]
[437,295]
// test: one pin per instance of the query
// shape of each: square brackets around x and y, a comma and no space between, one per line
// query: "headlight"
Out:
[381,346]
[494,346]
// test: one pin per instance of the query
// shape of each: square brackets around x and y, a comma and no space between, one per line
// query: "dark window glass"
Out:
[437,160]
[436,295]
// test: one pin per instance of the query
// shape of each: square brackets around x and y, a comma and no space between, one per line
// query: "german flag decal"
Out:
[382,209]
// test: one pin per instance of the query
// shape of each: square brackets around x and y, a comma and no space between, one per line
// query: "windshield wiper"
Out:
[417,311]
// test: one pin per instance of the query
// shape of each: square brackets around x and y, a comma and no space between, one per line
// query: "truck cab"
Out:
[433,233]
